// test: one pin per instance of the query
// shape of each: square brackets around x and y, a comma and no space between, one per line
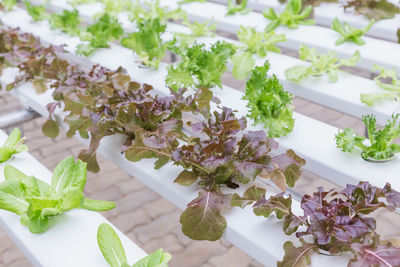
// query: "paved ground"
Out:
[144,216]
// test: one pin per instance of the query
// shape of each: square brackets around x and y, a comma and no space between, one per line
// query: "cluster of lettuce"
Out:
[100,102]
[200,66]
[37,202]
[334,222]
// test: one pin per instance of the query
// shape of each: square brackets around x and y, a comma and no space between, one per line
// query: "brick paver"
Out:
[144,216]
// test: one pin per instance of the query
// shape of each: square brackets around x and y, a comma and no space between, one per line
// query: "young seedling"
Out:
[237,6]
[372,9]
[37,12]
[334,222]
[200,66]
[320,64]
[268,103]
[254,43]
[381,144]
[292,16]
[147,41]
[349,33]
[114,253]
[13,145]
[98,35]
[392,89]
[67,21]
[37,202]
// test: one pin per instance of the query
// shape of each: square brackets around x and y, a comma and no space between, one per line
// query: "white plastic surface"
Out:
[326,12]
[71,239]
[374,51]
[253,235]
[260,238]
[317,89]
[310,138]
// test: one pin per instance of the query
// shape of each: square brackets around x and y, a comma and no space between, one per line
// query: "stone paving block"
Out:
[197,253]
[169,243]
[164,224]
[110,194]
[10,255]
[125,222]
[101,182]
[158,207]
[236,257]
[133,201]
[19,263]
[130,185]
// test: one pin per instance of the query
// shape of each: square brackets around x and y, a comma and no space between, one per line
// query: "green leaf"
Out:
[110,246]
[71,199]
[243,62]
[13,138]
[381,141]
[12,197]
[11,173]
[268,102]
[320,64]
[205,66]
[147,41]
[202,219]
[37,13]
[97,205]
[9,4]
[371,99]
[69,174]
[50,128]
[67,21]
[234,8]
[186,178]
[6,154]
[297,73]
[38,224]
[292,16]
[347,140]
[156,259]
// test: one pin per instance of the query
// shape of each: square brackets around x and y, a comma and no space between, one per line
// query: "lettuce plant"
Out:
[35,61]
[37,202]
[225,157]
[67,21]
[100,34]
[335,220]
[105,102]
[147,41]
[320,64]
[392,90]
[8,4]
[237,6]
[111,247]
[372,9]
[292,16]
[349,33]
[381,141]
[268,103]
[37,12]
[13,145]
[99,102]
[254,43]
[199,66]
